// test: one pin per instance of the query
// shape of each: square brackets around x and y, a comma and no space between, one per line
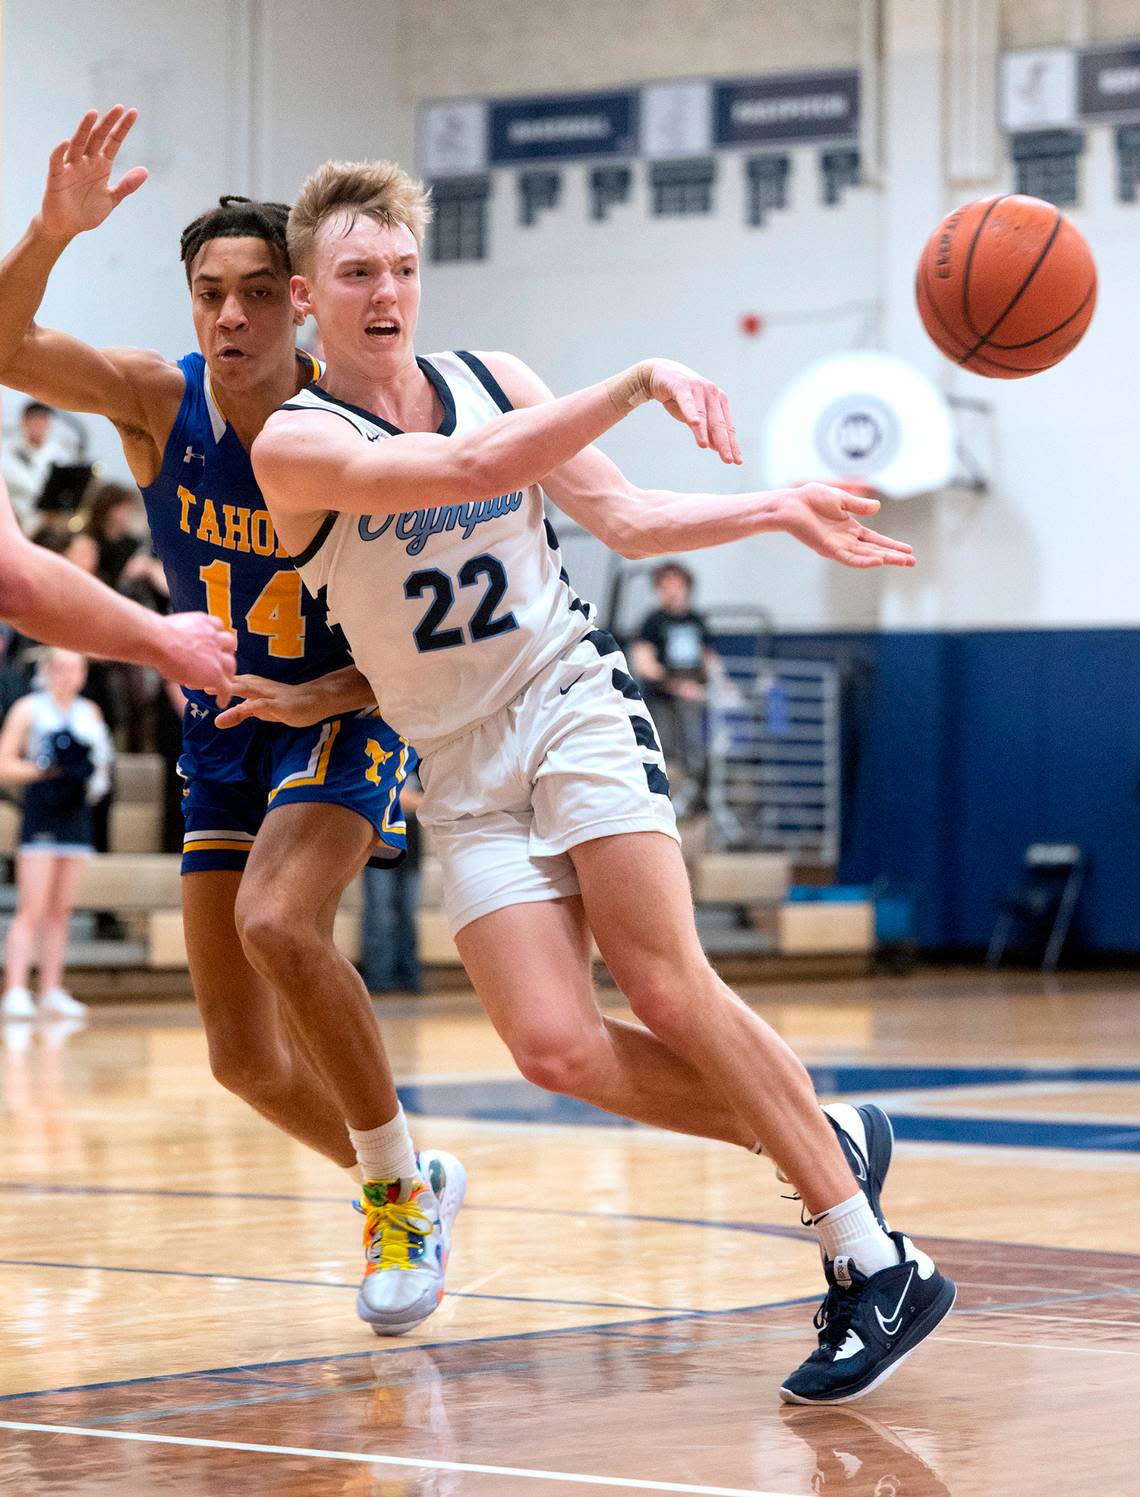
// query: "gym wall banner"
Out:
[563,126]
[787,107]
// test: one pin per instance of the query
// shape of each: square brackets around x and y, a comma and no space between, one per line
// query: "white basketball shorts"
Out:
[573,757]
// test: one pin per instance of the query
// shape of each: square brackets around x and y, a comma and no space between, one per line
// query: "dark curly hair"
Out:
[236,218]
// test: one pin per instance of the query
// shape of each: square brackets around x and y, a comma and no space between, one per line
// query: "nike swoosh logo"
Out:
[562,690]
[857,1165]
[890,1326]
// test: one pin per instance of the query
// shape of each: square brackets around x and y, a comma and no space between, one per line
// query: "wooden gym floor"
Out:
[176,1279]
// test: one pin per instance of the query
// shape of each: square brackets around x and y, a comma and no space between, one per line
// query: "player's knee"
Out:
[275,941]
[557,1063]
[668,999]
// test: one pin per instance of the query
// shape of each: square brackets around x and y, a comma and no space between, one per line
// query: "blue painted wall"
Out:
[964,748]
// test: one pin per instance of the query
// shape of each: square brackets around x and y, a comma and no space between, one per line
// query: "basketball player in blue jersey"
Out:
[279,819]
[408,491]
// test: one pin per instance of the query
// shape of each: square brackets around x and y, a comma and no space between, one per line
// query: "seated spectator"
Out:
[28,458]
[673,659]
[54,743]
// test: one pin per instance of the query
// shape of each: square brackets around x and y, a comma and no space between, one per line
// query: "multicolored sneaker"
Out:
[407,1239]
[869,1325]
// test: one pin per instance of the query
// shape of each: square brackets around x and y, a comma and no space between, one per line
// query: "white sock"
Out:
[850,1230]
[354,1173]
[385,1153]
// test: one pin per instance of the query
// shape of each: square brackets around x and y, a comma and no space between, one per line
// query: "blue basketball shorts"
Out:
[235,777]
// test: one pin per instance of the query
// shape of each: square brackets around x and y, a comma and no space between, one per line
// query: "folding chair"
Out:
[1043,903]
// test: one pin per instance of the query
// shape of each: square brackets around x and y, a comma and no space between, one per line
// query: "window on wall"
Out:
[682,187]
[767,186]
[537,191]
[1047,164]
[459,227]
[1128,163]
[608,185]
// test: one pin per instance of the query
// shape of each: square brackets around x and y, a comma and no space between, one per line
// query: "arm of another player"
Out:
[310,462]
[298,706]
[639,523]
[123,384]
[49,599]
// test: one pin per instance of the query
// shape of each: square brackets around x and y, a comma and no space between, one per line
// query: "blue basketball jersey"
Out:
[214,537]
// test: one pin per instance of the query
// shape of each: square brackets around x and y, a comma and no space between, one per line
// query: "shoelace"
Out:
[833,1318]
[406,1218]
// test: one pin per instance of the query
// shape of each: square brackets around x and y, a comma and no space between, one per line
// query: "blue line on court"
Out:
[393,1351]
[251,1278]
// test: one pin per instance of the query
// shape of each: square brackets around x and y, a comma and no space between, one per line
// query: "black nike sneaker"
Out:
[867,1139]
[859,1457]
[868,1326]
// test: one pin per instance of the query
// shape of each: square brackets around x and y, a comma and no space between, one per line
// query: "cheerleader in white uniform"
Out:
[55,744]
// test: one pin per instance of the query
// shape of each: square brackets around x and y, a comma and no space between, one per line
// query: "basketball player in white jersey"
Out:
[406,489]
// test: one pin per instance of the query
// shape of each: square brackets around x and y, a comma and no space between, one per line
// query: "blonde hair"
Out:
[380,190]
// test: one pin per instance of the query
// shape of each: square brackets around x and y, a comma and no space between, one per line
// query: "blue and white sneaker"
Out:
[869,1325]
[407,1240]
[867,1139]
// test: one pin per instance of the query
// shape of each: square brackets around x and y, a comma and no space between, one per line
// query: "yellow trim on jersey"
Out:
[218,845]
[318,774]
[401,774]
[316,369]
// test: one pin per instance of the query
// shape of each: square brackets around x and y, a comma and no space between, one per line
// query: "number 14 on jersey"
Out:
[276,614]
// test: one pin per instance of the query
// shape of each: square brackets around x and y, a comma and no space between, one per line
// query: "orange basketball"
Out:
[1006,286]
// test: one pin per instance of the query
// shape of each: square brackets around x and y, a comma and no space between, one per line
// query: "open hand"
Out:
[827,520]
[297,706]
[698,404]
[79,195]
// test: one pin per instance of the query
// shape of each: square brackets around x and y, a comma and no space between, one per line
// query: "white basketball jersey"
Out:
[449,610]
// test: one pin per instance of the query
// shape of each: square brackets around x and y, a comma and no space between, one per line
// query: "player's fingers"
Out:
[714,415]
[859,504]
[886,541]
[120,132]
[58,156]
[734,445]
[234,715]
[130,182]
[693,413]
[98,137]
[78,142]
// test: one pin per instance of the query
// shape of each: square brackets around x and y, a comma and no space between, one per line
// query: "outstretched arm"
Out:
[656,522]
[298,706]
[53,601]
[122,384]
[308,462]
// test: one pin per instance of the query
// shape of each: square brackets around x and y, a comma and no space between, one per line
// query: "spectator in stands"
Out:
[55,744]
[674,660]
[389,947]
[27,460]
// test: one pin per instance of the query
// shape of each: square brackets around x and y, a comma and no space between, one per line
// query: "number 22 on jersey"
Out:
[276,614]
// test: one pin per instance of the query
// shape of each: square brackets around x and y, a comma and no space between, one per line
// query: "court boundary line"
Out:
[761,1229]
[252,1278]
[397,1350]
[416,1463]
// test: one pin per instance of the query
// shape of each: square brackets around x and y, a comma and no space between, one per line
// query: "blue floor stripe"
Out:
[397,1350]
[1016,1133]
[251,1278]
